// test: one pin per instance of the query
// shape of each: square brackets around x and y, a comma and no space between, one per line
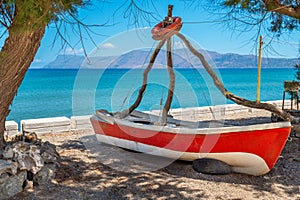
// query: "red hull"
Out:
[266,144]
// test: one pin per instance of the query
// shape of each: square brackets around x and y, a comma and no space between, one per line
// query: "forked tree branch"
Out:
[137,102]
[241,101]
[278,7]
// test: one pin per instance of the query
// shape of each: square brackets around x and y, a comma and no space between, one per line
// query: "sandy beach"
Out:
[84,174]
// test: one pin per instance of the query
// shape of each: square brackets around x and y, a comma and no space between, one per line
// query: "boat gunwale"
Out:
[185,130]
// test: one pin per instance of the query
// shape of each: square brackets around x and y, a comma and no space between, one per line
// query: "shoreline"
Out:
[82,123]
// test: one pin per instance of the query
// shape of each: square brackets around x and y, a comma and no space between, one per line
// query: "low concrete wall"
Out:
[11,129]
[57,125]
[83,124]
[46,125]
[193,113]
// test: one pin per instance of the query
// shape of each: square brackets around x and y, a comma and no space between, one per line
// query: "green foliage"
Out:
[267,11]
[242,4]
[33,14]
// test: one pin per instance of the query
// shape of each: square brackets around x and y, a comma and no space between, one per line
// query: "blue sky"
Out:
[211,36]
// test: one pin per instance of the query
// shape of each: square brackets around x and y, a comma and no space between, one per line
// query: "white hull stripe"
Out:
[240,162]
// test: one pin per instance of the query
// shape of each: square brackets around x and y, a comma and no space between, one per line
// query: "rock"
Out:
[7,167]
[30,159]
[28,185]
[49,153]
[32,163]
[21,146]
[45,174]
[3,178]
[30,176]
[296,130]
[13,185]
[28,156]
[48,146]
[8,152]
[211,166]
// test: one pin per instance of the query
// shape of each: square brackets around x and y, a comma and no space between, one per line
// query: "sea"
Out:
[72,92]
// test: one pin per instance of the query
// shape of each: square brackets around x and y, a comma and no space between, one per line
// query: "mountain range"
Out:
[181,59]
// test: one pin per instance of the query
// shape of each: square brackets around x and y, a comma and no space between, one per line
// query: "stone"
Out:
[49,153]
[20,146]
[3,178]
[28,185]
[7,167]
[29,162]
[33,149]
[296,130]
[211,166]
[8,152]
[28,156]
[45,174]
[13,185]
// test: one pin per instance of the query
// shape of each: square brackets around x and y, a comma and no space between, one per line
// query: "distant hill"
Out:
[65,62]
[181,59]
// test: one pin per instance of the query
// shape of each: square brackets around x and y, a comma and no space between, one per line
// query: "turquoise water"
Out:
[52,93]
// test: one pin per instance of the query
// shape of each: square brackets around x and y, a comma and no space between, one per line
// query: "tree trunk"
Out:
[2,128]
[15,58]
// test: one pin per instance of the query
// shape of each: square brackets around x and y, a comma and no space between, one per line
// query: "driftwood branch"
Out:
[241,101]
[137,102]
[171,84]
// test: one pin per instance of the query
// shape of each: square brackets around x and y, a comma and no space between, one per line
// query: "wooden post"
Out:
[259,69]
[171,84]
[171,76]
[170,10]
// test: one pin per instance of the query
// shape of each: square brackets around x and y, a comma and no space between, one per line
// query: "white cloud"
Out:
[72,51]
[37,60]
[108,45]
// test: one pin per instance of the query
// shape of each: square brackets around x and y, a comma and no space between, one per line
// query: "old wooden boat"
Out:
[250,149]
